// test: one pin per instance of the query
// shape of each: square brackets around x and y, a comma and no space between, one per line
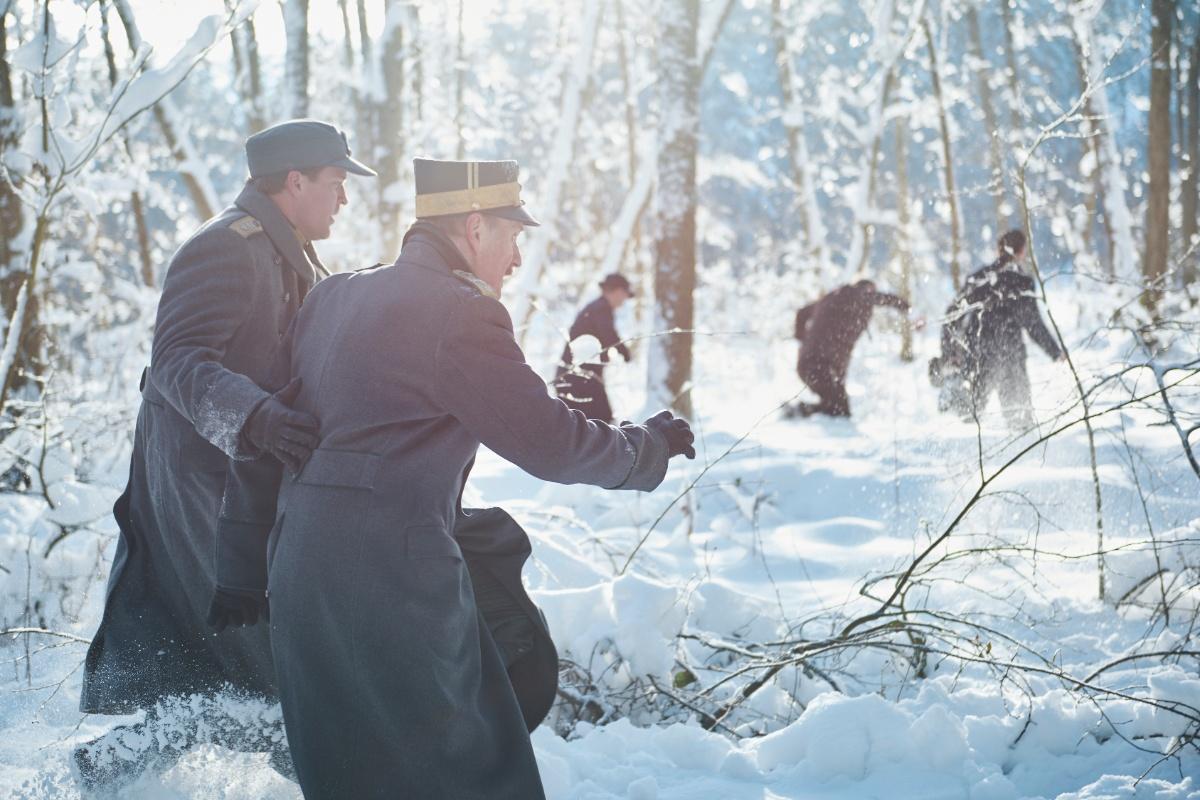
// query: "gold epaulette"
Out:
[246,226]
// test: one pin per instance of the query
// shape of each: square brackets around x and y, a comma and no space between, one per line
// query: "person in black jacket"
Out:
[828,329]
[983,347]
[581,386]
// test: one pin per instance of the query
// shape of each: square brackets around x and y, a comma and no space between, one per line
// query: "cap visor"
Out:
[357,167]
[515,213]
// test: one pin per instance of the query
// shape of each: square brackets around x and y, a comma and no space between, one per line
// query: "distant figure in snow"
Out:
[230,293]
[983,349]
[581,386]
[828,330]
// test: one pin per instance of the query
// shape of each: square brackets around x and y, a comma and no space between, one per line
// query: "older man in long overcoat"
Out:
[390,685]
[229,297]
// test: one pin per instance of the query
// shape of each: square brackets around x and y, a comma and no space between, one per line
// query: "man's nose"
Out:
[516,256]
[342,198]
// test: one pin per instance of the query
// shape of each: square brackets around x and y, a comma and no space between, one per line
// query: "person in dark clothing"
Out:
[229,296]
[390,683]
[828,330]
[581,386]
[983,345]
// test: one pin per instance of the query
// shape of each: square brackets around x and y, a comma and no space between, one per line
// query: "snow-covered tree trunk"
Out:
[551,190]
[903,243]
[415,58]
[460,81]
[192,169]
[935,75]
[295,65]
[1154,266]
[811,227]
[670,368]
[135,195]
[983,70]
[390,137]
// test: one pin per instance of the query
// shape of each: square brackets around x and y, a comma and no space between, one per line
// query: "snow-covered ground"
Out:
[786,523]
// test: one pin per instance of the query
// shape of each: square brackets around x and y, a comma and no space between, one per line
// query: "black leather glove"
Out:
[273,427]
[677,432]
[236,607]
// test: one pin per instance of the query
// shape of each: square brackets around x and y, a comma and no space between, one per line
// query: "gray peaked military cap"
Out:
[460,187]
[300,144]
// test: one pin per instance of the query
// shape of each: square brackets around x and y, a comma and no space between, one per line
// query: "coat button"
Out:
[277,259]
[287,296]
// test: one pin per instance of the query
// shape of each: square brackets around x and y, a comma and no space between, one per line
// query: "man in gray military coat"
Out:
[390,685]
[229,297]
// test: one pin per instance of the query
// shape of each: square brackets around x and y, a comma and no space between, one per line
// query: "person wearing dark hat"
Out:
[401,636]
[229,296]
[581,386]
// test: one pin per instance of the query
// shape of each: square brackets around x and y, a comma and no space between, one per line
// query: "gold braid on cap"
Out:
[463,201]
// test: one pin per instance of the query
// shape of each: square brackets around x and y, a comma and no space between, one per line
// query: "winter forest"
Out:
[903,603]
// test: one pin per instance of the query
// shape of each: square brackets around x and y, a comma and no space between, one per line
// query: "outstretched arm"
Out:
[484,381]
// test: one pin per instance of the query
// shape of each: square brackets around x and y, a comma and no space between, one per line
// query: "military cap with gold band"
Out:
[460,187]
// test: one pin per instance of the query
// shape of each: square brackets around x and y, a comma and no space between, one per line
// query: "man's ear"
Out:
[473,230]
[293,182]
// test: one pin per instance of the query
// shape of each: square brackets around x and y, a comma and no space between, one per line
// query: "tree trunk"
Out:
[1095,203]
[13,266]
[560,168]
[947,156]
[998,186]
[195,178]
[632,242]
[675,244]
[903,244]
[460,79]
[1010,58]
[810,224]
[391,122]
[295,23]
[135,196]
[1154,265]
[416,58]
[1191,184]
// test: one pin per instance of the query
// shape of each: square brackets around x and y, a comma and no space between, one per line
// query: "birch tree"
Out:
[675,203]
[295,24]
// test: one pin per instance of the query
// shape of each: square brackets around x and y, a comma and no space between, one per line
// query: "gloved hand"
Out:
[677,432]
[273,427]
[236,607]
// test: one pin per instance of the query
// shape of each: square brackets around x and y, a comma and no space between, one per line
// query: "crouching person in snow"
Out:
[828,329]
[391,686]
[229,296]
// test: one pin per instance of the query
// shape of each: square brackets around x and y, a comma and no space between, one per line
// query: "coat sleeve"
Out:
[890,300]
[206,297]
[249,502]
[1031,320]
[483,381]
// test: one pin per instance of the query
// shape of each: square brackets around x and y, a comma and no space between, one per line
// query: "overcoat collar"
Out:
[301,258]
[426,245]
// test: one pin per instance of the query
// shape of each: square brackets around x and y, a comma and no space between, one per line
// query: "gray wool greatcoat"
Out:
[390,686]
[229,296]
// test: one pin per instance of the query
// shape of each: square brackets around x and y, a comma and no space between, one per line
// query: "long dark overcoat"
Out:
[229,296]
[389,684]
[581,386]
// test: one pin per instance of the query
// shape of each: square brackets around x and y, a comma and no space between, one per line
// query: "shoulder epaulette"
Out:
[246,226]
